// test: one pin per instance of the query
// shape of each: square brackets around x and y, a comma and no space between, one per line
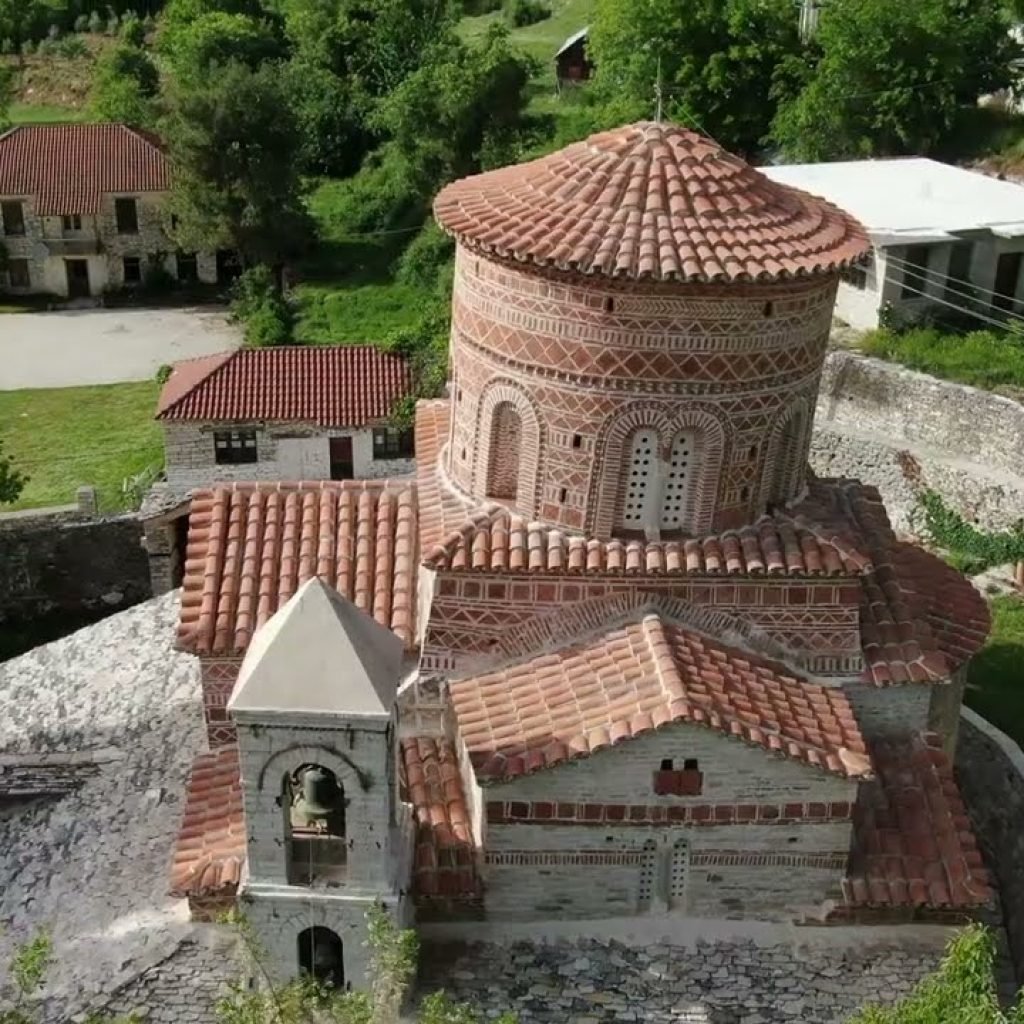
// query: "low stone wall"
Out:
[990,769]
[60,562]
[887,426]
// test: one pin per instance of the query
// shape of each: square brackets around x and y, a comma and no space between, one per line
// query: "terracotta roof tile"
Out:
[626,680]
[913,842]
[210,848]
[440,509]
[495,539]
[445,860]
[336,386]
[654,201]
[250,547]
[69,167]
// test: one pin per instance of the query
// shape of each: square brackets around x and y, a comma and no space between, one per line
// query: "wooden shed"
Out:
[571,62]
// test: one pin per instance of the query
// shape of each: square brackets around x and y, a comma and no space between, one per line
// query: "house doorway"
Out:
[342,466]
[321,955]
[78,278]
[1007,275]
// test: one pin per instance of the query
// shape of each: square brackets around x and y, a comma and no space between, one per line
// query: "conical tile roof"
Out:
[650,201]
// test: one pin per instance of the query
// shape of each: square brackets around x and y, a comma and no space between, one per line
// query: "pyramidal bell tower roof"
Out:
[650,201]
[319,655]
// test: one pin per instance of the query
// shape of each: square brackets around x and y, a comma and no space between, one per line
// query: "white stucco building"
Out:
[941,234]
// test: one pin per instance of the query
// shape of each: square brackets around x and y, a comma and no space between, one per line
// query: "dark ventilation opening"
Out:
[609,305]
[562,494]
[769,309]
[752,455]
[321,956]
[666,764]
[577,441]
[690,764]
[744,493]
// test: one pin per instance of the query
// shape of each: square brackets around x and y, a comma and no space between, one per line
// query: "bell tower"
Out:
[325,836]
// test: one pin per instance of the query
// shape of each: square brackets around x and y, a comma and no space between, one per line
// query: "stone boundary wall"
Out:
[990,770]
[963,442]
[60,562]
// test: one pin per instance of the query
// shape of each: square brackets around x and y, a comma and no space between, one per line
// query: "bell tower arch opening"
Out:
[322,956]
[315,837]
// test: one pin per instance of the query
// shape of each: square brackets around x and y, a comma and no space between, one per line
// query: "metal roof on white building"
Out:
[910,200]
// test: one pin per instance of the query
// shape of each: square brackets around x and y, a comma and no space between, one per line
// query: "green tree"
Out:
[718,62]
[216,38]
[962,991]
[7,75]
[235,148]
[124,86]
[11,481]
[884,79]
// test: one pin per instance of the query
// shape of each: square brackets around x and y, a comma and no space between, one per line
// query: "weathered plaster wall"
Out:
[287,451]
[990,770]
[892,709]
[965,443]
[63,563]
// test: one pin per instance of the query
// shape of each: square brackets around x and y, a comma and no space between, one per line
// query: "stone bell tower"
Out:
[315,710]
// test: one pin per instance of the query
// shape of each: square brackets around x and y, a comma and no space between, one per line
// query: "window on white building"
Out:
[915,270]
[232,447]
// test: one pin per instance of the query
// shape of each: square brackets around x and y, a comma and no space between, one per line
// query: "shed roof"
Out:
[573,40]
[911,200]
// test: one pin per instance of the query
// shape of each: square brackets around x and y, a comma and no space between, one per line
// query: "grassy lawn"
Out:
[995,679]
[347,292]
[984,359]
[62,438]
[545,37]
[32,113]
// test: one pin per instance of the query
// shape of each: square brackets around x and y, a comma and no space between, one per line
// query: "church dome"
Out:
[650,201]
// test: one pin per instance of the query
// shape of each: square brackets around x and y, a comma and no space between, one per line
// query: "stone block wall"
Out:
[990,772]
[889,710]
[286,451]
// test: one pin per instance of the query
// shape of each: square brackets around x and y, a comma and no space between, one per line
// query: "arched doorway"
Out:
[321,955]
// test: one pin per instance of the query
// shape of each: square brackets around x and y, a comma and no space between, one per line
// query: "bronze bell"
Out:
[320,797]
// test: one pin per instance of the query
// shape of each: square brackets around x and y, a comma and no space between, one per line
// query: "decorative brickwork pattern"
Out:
[218,678]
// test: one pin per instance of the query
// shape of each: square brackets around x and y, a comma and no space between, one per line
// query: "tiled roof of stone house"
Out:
[445,858]
[630,679]
[250,547]
[913,841]
[650,201]
[68,168]
[210,850]
[333,386]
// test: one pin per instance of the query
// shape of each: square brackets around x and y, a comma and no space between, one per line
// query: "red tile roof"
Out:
[440,509]
[628,680]
[913,843]
[210,849]
[445,862]
[69,167]
[500,540]
[650,201]
[250,547]
[337,386]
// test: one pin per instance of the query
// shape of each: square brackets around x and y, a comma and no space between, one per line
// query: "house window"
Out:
[915,268]
[13,214]
[132,267]
[958,279]
[71,222]
[18,274]
[188,271]
[232,447]
[392,443]
[856,275]
[1004,296]
[126,213]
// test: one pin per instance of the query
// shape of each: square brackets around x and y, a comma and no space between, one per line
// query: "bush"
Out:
[82,23]
[6,46]
[256,302]
[519,13]
[112,25]
[157,280]
[425,256]
[28,48]
[163,373]
[270,325]
[54,32]
[474,7]
[95,23]
[72,46]
[132,31]
[46,47]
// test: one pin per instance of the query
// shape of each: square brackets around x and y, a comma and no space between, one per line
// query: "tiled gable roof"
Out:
[336,386]
[445,859]
[629,680]
[650,200]
[69,167]
[776,546]
[210,849]
[250,547]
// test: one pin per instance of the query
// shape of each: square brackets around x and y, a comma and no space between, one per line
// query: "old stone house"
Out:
[81,211]
[650,664]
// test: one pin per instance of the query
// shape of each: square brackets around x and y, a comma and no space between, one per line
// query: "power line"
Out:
[1001,324]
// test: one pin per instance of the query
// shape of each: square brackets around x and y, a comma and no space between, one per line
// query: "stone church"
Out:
[613,650]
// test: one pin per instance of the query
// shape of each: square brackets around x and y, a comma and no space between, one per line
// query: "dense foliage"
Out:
[11,481]
[125,85]
[885,78]
[24,21]
[962,991]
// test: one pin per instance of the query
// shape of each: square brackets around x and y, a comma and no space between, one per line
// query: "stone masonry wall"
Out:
[965,443]
[292,451]
[52,565]
[889,709]
[990,771]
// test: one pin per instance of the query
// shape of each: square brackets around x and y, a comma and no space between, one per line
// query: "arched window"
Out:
[321,955]
[315,826]
[506,446]
[788,457]
[679,476]
[642,483]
